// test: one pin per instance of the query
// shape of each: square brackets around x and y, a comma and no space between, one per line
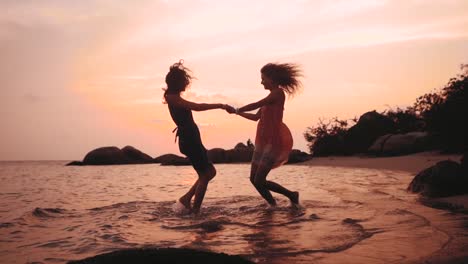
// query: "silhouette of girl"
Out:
[190,144]
[273,141]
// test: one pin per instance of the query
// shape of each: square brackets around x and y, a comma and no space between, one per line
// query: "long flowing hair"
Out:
[286,75]
[178,78]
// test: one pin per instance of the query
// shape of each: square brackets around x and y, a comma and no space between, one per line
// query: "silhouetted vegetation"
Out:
[327,138]
[446,113]
[442,113]
[406,120]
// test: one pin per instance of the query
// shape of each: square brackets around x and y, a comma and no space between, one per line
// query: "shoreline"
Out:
[412,164]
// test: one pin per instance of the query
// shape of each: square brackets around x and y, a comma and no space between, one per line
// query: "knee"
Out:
[259,182]
[212,172]
[209,173]
[252,179]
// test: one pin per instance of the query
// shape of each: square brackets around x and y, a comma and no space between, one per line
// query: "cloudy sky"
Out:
[77,75]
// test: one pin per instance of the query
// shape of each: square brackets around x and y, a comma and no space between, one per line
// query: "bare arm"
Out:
[250,116]
[177,101]
[270,99]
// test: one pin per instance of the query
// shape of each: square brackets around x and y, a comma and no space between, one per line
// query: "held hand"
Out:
[229,109]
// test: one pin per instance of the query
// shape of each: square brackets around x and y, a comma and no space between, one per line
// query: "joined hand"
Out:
[230,109]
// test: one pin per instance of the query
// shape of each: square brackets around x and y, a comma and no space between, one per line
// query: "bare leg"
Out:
[258,176]
[186,198]
[200,190]
[275,187]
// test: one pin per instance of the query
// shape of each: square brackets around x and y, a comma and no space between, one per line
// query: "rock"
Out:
[106,156]
[464,163]
[239,155]
[171,159]
[369,127]
[445,178]
[378,145]
[162,255]
[136,156]
[297,156]
[400,144]
[241,146]
[114,156]
[217,155]
[75,163]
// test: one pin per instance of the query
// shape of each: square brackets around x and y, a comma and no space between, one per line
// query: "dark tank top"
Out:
[182,117]
[186,127]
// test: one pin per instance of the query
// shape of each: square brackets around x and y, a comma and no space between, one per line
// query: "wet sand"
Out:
[413,163]
[454,251]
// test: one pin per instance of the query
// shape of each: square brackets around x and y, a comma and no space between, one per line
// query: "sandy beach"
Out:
[453,252]
[412,163]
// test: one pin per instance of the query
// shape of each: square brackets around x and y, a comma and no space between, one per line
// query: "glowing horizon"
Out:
[89,74]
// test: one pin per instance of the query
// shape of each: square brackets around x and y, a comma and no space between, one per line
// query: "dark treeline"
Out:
[442,115]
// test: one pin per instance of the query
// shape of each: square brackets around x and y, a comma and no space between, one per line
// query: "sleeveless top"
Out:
[186,127]
[273,138]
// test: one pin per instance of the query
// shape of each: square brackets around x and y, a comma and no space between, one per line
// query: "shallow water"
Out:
[50,213]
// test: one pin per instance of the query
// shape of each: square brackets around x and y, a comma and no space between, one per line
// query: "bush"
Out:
[406,120]
[327,138]
[446,113]
[442,113]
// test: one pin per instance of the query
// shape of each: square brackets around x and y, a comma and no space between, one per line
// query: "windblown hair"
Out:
[286,75]
[178,78]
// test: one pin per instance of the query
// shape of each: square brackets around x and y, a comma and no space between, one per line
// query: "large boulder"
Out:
[75,163]
[136,156]
[297,156]
[171,159]
[217,155]
[239,155]
[445,178]
[400,144]
[106,156]
[161,255]
[369,127]
[464,163]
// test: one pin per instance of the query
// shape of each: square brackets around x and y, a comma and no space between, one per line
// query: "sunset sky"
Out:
[77,75]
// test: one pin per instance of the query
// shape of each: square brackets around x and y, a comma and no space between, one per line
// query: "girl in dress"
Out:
[273,140]
[190,144]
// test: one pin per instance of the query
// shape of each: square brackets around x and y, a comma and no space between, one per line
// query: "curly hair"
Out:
[286,75]
[178,78]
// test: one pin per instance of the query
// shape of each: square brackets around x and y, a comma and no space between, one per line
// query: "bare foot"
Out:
[294,198]
[185,203]
[195,211]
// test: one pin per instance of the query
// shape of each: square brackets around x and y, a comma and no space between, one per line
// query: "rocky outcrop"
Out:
[171,159]
[75,163]
[162,255]
[445,178]
[114,156]
[130,155]
[217,155]
[369,127]
[136,156]
[400,144]
[239,154]
[297,156]
[464,163]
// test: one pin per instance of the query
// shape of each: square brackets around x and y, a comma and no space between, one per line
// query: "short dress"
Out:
[273,140]
[190,142]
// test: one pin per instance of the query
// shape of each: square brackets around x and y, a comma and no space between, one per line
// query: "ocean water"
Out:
[51,213]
